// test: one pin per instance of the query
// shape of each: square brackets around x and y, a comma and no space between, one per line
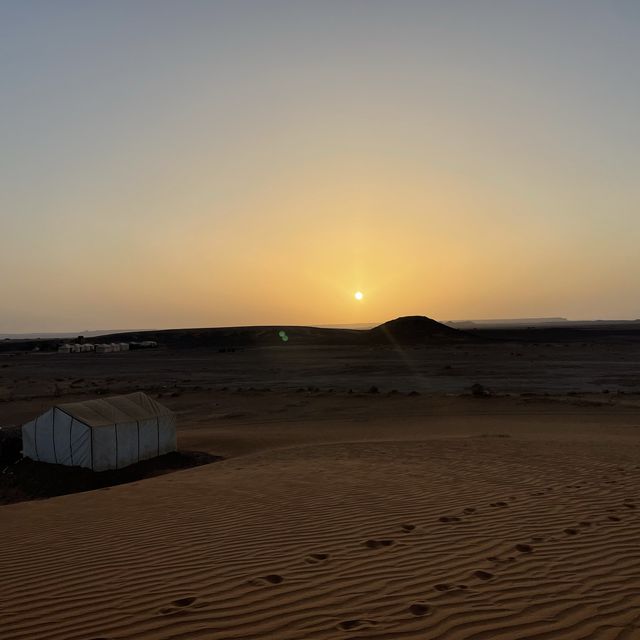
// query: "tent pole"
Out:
[35,438]
[70,441]
[53,437]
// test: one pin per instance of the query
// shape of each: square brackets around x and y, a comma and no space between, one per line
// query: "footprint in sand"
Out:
[571,531]
[419,609]
[378,544]
[179,606]
[584,524]
[407,527]
[524,548]
[613,518]
[483,575]
[470,510]
[629,505]
[499,504]
[184,602]
[272,578]
[316,558]
[449,519]
[355,625]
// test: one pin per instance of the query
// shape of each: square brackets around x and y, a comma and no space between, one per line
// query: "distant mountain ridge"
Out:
[361,326]
[52,335]
[406,330]
[505,321]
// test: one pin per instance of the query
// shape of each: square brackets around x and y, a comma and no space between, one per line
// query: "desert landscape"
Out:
[364,492]
[319,320]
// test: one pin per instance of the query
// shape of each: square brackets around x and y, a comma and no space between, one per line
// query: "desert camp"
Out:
[101,434]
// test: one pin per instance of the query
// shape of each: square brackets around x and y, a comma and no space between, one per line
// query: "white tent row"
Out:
[113,346]
[87,346]
[76,348]
[101,434]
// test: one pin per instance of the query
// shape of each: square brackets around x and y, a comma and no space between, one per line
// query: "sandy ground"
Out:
[595,366]
[340,515]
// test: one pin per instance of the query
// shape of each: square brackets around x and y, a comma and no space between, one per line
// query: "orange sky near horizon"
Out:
[182,165]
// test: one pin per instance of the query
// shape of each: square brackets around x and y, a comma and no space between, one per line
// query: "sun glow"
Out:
[358,295]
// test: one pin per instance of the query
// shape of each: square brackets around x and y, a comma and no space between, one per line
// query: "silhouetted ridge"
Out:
[407,330]
[416,330]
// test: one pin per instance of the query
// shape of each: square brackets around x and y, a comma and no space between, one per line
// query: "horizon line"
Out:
[516,320]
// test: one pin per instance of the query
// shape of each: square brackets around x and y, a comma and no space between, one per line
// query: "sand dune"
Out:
[448,537]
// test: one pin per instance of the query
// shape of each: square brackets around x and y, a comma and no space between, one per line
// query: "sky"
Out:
[211,163]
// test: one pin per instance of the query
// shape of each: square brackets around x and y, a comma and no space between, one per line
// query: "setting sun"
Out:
[358,295]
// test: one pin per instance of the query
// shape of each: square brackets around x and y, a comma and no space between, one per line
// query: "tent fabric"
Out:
[108,433]
[105,412]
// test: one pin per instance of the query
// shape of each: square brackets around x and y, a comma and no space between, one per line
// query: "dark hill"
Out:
[407,331]
[416,330]
[226,337]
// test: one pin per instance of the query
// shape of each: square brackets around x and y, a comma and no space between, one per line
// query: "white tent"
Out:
[107,433]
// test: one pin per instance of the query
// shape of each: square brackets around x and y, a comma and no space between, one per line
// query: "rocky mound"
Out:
[416,330]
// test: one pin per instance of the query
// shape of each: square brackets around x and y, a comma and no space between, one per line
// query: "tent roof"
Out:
[104,412]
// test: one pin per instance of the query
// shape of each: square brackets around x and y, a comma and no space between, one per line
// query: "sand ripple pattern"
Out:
[448,539]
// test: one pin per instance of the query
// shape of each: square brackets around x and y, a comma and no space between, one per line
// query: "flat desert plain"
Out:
[340,512]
